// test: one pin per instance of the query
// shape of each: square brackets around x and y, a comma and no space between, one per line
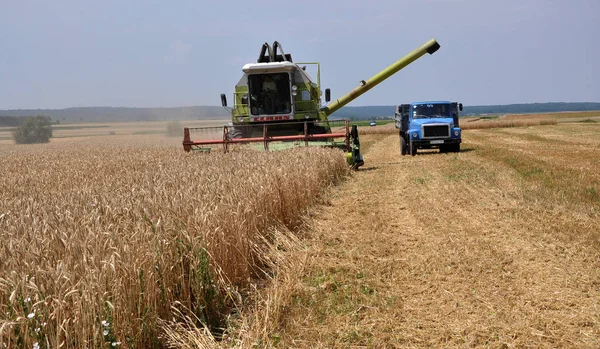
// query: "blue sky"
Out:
[58,54]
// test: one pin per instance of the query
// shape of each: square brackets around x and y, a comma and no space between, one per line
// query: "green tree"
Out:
[34,129]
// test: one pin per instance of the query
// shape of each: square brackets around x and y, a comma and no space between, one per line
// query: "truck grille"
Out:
[431,131]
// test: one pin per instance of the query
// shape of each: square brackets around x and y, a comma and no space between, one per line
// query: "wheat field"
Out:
[105,240]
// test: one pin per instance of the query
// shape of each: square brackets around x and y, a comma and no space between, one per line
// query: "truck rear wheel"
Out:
[403,145]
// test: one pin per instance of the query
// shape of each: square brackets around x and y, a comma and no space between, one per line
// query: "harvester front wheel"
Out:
[234,133]
[237,132]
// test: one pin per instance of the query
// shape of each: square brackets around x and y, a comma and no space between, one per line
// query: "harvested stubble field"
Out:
[105,240]
[495,247]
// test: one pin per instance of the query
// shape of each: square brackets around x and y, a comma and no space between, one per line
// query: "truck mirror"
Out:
[460,106]
[327,95]
[223,100]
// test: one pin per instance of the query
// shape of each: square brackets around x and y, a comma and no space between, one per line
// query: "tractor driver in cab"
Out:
[269,92]
[269,85]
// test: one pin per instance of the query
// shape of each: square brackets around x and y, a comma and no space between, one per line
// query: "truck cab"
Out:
[429,125]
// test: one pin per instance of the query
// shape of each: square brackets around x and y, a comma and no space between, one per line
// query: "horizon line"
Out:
[218,106]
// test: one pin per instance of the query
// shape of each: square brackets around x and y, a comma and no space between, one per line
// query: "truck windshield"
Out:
[422,111]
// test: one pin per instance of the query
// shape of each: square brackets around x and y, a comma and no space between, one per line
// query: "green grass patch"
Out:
[593,194]
[419,180]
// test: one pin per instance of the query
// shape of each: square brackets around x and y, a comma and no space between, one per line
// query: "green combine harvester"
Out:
[277,101]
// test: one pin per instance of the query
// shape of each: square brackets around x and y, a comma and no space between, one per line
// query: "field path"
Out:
[453,250]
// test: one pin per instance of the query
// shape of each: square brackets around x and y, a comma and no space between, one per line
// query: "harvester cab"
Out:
[277,91]
[277,100]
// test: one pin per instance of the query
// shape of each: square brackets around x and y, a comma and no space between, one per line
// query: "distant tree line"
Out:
[10,121]
[373,112]
[529,108]
[14,121]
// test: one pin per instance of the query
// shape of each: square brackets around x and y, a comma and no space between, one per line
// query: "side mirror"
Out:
[223,100]
[327,95]
[460,106]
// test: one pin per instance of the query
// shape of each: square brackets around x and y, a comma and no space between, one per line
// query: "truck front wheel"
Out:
[456,148]
[413,149]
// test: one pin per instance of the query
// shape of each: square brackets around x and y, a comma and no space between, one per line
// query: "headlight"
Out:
[456,133]
[294,87]
[240,119]
[415,135]
[306,116]
[294,92]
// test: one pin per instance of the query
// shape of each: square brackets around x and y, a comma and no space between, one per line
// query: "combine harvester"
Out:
[277,101]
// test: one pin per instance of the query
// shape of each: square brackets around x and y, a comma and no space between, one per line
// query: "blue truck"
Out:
[428,125]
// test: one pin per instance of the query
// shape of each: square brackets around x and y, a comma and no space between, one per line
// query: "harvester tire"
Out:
[403,146]
[235,132]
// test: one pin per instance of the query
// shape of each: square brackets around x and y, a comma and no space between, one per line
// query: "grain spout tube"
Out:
[430,47]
